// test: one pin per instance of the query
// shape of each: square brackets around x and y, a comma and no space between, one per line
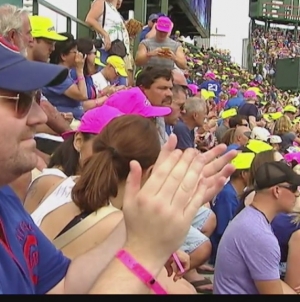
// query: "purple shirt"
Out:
[248,251]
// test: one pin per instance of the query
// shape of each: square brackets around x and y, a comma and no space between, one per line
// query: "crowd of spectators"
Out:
[271,44]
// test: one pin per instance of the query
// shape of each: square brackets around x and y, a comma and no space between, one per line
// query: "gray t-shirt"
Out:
[248,251]
[151,44]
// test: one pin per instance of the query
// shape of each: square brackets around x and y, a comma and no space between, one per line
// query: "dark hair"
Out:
[150,74]
[259,159]
[177,89]
[66,156]
[62,48]
[85,46]
[236,121]
[126,138]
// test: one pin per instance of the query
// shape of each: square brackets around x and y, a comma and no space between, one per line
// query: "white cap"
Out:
[275,139]
[260,133]
[295,102]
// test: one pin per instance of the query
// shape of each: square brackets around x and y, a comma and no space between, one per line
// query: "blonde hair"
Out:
[283,125]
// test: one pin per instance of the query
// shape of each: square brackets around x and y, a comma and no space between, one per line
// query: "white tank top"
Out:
[59,197]
[49,171]
[114,25]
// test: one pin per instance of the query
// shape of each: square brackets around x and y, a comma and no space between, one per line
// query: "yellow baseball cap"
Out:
[290,108]
[43,27]
[275,116]
[243,161]
[229,113]
[119,64]
[257,146]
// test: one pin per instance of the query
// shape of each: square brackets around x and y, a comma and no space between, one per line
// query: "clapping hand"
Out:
[158,215]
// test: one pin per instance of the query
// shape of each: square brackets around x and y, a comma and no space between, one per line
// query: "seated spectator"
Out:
[234,101]
[248,255]
[226,116]
[68,96]
[226,202]
[104,80]
[195,111]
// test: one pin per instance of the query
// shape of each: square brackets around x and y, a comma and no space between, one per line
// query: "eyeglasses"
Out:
[23,101]
[292,188]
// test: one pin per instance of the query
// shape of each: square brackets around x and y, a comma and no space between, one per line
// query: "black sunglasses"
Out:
[292,188]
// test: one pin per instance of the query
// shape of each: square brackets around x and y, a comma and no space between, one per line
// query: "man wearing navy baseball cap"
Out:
[151,21]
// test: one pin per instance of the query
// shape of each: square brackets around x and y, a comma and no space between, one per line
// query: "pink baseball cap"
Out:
[233,91]
[289,157]
[193,88]
[250,94]
[164,24]
[210,75]
[94,120]
[133,101]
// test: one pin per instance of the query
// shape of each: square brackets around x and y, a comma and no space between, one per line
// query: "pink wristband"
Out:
[140,272]
[81,78]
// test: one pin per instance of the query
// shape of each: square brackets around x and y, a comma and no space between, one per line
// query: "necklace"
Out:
[260,212]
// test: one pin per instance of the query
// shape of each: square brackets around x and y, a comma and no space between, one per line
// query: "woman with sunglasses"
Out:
[75,93]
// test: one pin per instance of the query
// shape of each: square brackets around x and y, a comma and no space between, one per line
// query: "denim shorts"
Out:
[194,237]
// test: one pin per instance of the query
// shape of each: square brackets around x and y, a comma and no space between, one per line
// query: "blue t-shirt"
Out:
[283,229]
[56,97]
[235,102]
[214,86]
[232,147]
[185,136]
[224,206]
[90,87]
[144,32]
[30,264]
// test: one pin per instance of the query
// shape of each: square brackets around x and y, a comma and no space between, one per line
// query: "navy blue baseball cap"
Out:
[21,75]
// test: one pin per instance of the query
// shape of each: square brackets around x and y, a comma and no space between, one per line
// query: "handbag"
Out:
[118,48]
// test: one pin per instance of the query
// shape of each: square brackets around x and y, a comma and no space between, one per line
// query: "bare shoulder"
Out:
[38,190]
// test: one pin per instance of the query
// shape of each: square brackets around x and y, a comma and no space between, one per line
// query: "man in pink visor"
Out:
[134,101]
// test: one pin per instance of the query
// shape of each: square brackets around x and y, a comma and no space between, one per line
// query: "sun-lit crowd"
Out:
[169,170]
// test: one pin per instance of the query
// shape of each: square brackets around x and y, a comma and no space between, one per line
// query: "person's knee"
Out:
[201,254]
[210,224]
[179,287]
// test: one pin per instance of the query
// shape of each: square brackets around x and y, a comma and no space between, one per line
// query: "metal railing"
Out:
[69,18]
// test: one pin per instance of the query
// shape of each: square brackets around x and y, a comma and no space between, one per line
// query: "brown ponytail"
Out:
[124,139]
[92,190]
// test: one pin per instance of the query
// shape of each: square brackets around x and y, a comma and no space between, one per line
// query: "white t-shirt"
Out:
[99,81]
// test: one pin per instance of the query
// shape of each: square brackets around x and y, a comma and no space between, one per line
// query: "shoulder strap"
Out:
[104,15]
[83,226]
